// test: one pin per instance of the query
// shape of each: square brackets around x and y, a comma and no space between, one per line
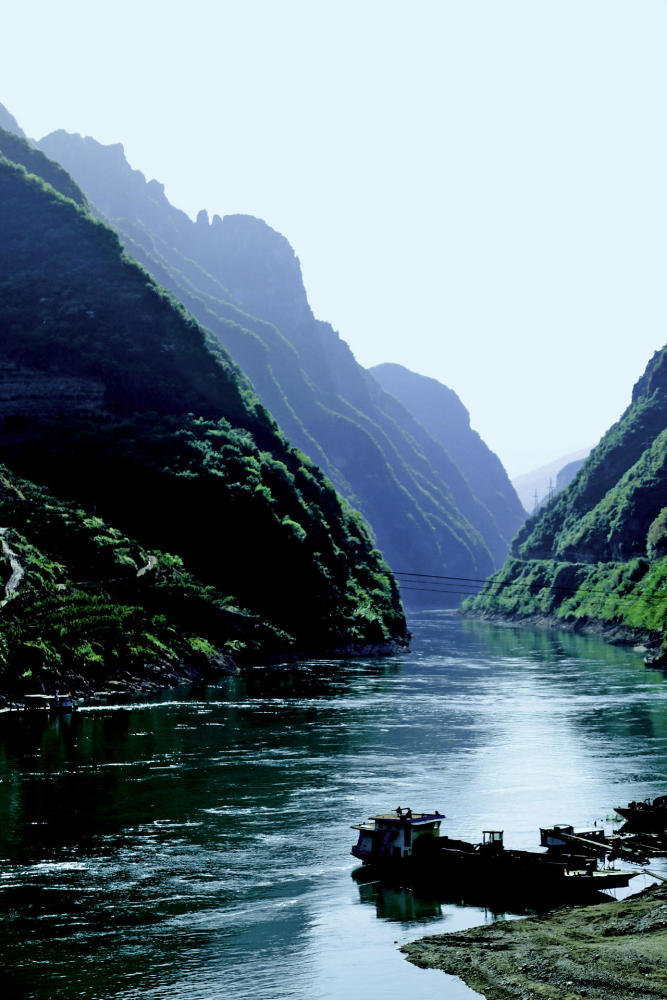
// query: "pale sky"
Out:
[475,189]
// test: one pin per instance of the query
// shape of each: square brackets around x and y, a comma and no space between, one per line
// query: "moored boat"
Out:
[649,815]
[54,703]
[409,845]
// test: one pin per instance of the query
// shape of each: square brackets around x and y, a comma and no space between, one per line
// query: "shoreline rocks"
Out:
[610,951]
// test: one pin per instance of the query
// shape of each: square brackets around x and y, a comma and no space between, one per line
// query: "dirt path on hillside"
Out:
[151,563]
[12,584]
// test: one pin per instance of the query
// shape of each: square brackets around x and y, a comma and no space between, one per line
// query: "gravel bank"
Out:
[612,951]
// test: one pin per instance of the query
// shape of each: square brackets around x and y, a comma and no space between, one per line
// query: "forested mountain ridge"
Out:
[17,149]
[243,281]
[597,553]
[440,411]
[117,399]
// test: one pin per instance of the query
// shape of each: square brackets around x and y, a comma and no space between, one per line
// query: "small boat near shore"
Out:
[648,816]
[52,703]
[409,845]
[626,845]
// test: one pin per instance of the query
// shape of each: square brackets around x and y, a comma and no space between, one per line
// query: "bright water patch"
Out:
[196,845]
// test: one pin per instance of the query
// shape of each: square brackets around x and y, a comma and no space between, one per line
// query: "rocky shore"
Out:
[611,951]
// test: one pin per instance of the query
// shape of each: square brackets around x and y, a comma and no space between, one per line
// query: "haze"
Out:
[475,190]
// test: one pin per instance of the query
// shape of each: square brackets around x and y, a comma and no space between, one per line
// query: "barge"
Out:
[409,846]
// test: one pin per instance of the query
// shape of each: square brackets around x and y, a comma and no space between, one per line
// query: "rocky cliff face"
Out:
[243,281]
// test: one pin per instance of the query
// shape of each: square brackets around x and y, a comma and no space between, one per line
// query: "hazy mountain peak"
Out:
[431,392]
[8,122]
[440,411]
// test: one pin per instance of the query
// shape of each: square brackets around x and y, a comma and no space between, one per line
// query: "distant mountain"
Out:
[114,399]
[19,150]
[597,553]
[539,485]
[243,281]
[440,411]
[8,122]
[568,472]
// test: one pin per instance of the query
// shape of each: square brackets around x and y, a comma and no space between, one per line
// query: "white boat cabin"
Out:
[394,835]
[562,835]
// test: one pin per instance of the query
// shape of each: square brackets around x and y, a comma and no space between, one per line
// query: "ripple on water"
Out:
[211,857]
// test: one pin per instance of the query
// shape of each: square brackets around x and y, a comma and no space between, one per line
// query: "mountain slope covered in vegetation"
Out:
[597,553]
[114,398]
[243,281]
[440,411]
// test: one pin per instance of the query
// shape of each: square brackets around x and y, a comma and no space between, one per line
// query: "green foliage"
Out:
[84,612]
[606,510]
[631,594]
[174,454]
[656,540]
[583,556]
[615,529]
[403,479]
[19,151]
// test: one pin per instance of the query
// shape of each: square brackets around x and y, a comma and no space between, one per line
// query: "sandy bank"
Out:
[612,951]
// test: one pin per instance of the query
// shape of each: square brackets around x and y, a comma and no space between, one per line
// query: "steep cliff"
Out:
[597,552]
[7,121]
[243,281]
[443,415]
[118,400]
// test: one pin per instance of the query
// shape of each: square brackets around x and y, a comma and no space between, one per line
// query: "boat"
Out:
[562,837]
[408,845]
[636,847]
[649,816]
[54,703]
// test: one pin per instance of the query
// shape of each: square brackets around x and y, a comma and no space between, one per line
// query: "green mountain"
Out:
[114,399]
[597,553]
[243,281]
[440,411]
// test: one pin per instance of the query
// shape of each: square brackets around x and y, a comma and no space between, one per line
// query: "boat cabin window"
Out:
[492,837]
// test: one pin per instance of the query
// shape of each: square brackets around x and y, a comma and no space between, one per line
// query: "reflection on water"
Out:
[400,903]
[405,905]
[197,844]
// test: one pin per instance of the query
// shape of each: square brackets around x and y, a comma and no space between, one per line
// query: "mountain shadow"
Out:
[440,411]
[115,399]
[242,280]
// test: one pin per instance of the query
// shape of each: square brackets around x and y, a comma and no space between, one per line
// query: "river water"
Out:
[197,845]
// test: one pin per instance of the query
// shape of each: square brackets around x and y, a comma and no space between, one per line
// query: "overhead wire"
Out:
[444,584]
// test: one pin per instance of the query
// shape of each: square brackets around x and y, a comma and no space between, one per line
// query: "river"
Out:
[196,845]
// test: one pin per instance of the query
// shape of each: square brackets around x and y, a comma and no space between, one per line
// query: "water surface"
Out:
[197,845]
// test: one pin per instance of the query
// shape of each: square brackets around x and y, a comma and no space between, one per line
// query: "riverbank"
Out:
[610,951]
[643,640]
[622,602]
[162,675]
